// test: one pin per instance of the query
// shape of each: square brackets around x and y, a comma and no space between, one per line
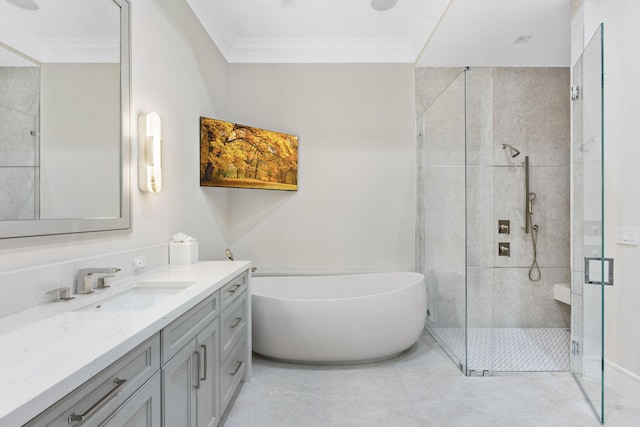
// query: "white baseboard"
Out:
[622,381]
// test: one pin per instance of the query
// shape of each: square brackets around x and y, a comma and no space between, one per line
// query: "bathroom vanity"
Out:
[169,347]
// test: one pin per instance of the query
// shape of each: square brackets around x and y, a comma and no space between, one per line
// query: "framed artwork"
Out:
[239,156]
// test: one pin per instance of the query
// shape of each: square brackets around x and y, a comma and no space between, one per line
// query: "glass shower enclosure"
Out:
[587,323]
[494,166]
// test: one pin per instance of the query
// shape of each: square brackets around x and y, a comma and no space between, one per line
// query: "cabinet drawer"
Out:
[182,330]
[233,324]
[99,397]
[143,409]
[232,371]
[232,290]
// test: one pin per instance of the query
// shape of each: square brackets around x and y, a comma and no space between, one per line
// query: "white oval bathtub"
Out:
[337,319]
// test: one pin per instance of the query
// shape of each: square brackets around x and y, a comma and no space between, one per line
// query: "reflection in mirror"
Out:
[19,119]
[64,94]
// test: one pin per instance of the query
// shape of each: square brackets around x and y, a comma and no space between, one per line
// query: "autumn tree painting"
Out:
[233,155]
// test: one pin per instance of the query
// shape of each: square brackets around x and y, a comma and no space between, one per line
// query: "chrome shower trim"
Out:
[513,152]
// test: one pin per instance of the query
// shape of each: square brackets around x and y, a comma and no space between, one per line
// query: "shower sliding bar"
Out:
[527,217]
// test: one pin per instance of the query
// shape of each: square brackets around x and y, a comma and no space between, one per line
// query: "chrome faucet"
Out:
[84,281]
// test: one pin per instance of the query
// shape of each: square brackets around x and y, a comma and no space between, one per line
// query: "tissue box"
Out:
[183,253]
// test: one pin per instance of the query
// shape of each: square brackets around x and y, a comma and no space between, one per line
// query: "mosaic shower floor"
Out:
[511,349]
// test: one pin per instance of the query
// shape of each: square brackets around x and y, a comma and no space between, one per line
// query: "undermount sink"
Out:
[144,295]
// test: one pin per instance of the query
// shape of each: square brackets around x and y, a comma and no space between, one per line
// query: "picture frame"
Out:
[240,156]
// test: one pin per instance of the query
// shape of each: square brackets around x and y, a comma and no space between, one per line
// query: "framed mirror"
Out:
[64,116]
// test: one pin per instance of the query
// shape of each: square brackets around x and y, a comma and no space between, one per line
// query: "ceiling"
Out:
[63,30]
[430,33]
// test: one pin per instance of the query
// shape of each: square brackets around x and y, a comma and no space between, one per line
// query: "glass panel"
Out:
[442,136]
[588,298]
[479,201]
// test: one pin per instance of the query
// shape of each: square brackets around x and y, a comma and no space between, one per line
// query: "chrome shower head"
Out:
[513,152]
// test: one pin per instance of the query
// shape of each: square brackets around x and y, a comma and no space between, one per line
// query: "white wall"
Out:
[178,72]
[356,205]
[622,204]
[355,208]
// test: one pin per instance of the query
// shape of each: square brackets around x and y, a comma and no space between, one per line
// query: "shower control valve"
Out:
[504,226]
[504,249]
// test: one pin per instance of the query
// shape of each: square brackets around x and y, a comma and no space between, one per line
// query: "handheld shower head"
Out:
[513,152]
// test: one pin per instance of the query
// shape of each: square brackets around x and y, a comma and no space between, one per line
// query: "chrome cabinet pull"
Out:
[236,323]
[117,383]
[204,350]
[235,371]
[234,289]
[196,386]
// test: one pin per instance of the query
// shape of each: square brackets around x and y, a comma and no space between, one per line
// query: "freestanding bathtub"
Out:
[337,319]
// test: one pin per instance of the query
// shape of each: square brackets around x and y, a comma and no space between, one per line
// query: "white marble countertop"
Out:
[49,350]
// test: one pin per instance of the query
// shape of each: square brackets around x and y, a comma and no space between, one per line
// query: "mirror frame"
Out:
[44,227]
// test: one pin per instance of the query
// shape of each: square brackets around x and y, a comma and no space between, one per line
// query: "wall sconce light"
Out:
[149,152]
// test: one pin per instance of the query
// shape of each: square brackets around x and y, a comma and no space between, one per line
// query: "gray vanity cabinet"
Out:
[185,375]
[190,379]
[122,394]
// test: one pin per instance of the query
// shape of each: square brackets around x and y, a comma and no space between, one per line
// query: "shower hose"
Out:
[534,270]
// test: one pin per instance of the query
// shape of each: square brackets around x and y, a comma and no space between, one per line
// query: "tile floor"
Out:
[421,387]
[511,349]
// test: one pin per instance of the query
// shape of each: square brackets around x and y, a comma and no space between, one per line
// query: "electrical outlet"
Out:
[139,262]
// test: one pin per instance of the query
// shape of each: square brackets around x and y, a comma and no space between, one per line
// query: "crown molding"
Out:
[66,49]
[320,50]
[316,50]
[80,50]
[298,50]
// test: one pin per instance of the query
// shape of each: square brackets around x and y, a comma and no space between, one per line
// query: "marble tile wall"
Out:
[19,154]
[529,109]
[431,83]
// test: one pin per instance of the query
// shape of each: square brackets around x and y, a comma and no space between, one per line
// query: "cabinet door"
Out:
[178,380]
[209,391]
[142,410]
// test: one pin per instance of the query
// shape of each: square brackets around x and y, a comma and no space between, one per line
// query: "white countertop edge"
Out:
[52,351]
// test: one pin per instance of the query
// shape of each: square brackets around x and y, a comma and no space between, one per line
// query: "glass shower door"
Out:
[479,213]
[587,325]
[442,252]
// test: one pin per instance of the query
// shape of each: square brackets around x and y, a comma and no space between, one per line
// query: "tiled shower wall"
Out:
[529,109]
[19,156]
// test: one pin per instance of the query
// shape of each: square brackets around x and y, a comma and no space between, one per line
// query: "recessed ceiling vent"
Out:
[288,3]
[522,39]
[383,4]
